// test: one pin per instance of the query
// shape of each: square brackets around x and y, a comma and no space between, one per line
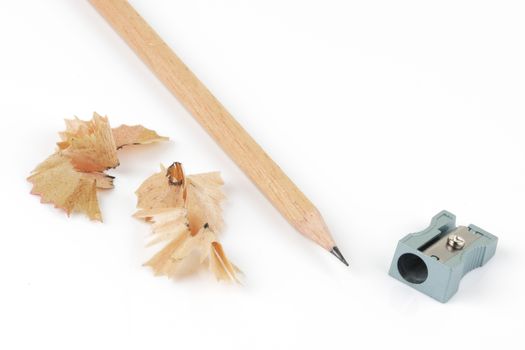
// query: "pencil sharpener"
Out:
[434,260]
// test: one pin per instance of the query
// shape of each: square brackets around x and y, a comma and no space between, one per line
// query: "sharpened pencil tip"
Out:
[337,253]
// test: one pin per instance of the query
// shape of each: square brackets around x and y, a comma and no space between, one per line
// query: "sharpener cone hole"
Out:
[412,268]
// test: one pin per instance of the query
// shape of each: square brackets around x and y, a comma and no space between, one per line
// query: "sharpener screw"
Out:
[456,242]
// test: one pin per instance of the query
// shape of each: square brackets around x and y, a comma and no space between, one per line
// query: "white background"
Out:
[383,112]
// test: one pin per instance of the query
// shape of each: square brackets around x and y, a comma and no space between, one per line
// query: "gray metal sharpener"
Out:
[433,261]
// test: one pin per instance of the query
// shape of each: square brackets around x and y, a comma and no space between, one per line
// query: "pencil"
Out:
[218,122]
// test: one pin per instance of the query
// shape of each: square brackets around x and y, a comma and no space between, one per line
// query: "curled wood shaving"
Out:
[77,191]
[204,197]
[220,265]
[167,223]
[126,135]
[89,144]
[185,213]
[174,260]
[70,177]
[158,191]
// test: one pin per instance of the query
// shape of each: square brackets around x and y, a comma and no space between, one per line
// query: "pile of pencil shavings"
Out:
[70,177]
[186,214]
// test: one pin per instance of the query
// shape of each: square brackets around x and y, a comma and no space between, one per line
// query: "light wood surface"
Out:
[216,120]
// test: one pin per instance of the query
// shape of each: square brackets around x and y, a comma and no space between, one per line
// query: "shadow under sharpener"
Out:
[433,261]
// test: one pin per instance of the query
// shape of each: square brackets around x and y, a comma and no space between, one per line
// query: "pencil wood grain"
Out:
[216,120]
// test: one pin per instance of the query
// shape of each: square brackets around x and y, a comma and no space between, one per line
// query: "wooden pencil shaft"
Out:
[216,120]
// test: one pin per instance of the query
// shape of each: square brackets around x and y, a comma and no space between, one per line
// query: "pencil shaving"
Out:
[59,183]
[70,177]
[185,214]
[220,265]
[126,135]
[89,144]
